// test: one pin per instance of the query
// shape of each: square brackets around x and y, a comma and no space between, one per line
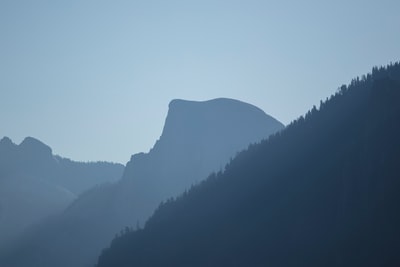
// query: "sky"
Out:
[93,79]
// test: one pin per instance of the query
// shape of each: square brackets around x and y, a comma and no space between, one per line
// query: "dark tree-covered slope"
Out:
[323,192]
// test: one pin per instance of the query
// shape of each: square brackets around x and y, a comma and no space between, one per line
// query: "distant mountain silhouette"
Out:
[34,183]
[322,192]
[198,138]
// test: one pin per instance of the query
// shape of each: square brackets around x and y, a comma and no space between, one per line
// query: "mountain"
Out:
[322,192]
[35,184]
[198,138]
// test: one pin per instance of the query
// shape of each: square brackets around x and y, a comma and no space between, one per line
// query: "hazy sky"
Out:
[93,79]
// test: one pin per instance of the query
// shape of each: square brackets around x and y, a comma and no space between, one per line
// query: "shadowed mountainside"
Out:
[198,138]
[322,192]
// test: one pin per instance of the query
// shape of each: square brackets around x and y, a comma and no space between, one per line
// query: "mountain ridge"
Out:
[170,167]
[35,184]
[322,192]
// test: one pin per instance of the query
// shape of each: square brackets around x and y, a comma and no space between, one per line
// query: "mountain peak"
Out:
[212,130]
[6,141]
[32,145]
[6,144]
[197,119]
[218,102]
[220,99]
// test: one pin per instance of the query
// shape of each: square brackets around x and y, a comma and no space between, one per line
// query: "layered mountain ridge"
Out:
[35,184]
[198,138]
[322,192]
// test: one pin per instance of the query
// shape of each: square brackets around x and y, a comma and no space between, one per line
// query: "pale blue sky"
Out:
[93,79]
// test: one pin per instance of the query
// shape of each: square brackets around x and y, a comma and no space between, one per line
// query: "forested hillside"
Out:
[323,192]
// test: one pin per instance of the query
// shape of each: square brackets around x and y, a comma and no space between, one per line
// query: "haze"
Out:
[93,79]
